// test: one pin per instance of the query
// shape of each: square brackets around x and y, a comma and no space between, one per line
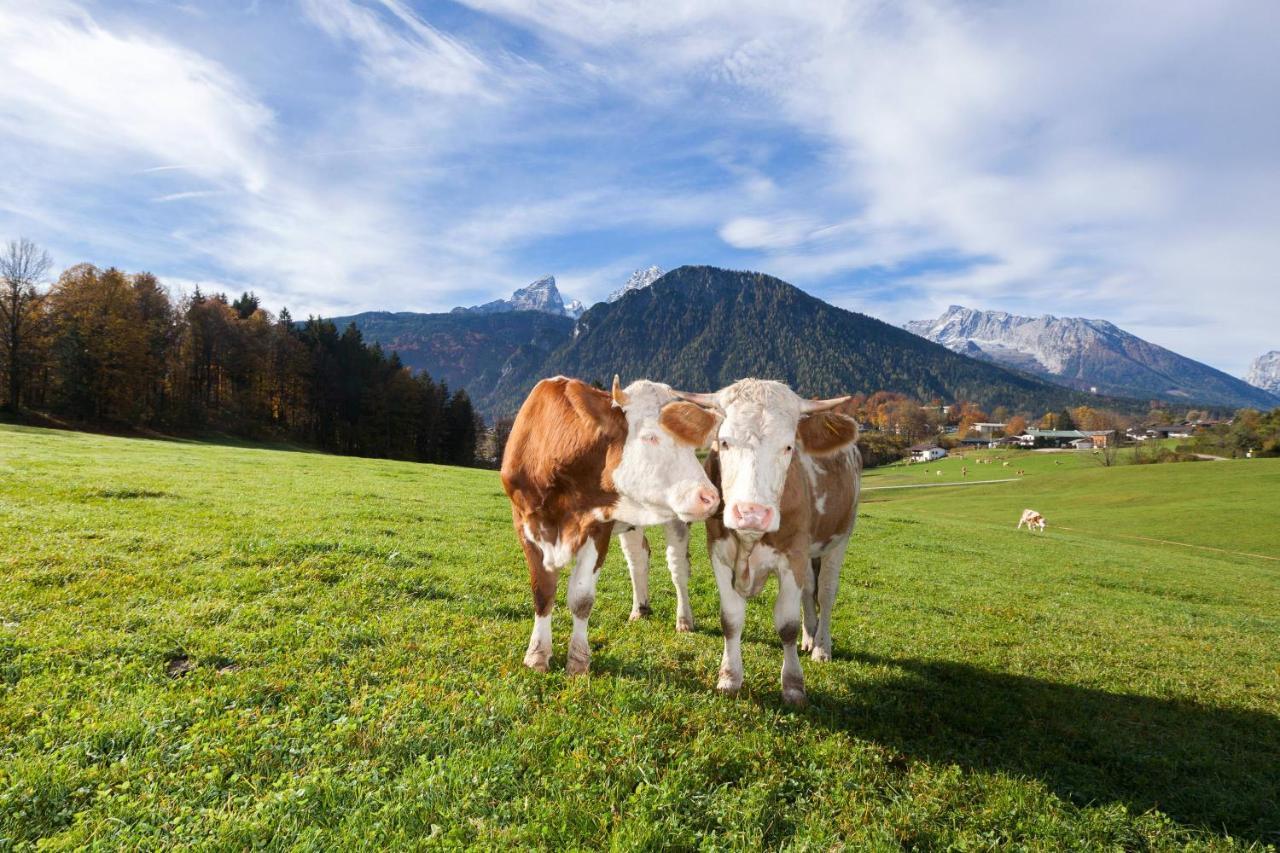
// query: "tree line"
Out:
[107,348]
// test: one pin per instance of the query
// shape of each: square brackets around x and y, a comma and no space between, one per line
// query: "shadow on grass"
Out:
[1210,768]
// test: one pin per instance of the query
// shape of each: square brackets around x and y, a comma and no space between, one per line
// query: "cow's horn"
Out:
[707,401]
[808,407]
[620,397]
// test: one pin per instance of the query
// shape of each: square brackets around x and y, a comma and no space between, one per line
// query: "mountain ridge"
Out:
[1086,354]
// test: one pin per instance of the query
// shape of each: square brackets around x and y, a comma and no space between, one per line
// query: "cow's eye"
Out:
[787,449]
[649,439]
[724,444]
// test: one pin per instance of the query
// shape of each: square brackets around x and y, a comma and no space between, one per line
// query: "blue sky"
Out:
[1098,159]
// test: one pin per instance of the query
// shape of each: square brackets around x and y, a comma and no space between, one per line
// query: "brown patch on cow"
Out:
[838,478]
[788,633]
[558,472]
[580,606]
[690,425]
[826,432]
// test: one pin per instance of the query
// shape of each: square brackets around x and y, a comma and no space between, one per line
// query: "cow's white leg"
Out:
[786,619]
[635,548]
[828,586]
[677,536]
[582,597]
[733,611]
[810,628]
[542,580]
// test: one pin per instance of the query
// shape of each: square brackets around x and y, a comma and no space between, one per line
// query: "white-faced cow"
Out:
[580,461]
[788,470]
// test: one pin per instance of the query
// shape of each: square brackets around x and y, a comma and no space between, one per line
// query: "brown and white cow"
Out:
[1032,520]
[580,461]
[789,473]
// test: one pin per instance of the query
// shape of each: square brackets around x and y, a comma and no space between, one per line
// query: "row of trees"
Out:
[108,348]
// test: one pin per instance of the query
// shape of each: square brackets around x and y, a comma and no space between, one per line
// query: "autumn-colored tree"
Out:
[1016,425]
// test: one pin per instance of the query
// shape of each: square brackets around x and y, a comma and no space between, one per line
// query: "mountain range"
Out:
[1088,355]
[699,328]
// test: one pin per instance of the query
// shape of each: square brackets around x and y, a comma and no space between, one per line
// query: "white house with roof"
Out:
[926,452]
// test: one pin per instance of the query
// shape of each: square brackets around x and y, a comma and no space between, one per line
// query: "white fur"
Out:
[555,555]
[658,478]
[756,442]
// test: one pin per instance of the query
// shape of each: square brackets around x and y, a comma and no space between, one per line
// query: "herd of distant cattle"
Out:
[778,492]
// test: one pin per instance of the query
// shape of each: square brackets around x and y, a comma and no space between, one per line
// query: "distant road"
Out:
[941,485]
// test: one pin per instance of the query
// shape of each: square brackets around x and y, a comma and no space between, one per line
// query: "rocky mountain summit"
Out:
[1090,355]
[541,295]
[1264,373]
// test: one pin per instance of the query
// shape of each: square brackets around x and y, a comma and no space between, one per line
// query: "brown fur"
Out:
[557,470]
[689,424]
[826,432]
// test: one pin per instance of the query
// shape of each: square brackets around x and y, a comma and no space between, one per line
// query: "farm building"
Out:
[926,452]
[1065,437]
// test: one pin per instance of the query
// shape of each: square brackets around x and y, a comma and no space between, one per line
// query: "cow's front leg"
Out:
[810,628]
[635,548]
[828,586]
[542,580]
[677,536]
[733,611]
[582,597]
[786,618]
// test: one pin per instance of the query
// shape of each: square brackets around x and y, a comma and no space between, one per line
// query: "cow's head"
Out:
[765,422]
[659,474]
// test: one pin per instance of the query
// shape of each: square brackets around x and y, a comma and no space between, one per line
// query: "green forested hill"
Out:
[463,350]
[701,328]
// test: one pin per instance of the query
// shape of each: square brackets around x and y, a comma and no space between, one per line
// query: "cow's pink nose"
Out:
[708,498]
[752,516]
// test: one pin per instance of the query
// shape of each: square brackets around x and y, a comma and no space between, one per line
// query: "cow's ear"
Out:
[596,407]
[826,432]
[689,424]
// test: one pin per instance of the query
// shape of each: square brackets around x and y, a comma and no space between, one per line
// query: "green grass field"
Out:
[227,646]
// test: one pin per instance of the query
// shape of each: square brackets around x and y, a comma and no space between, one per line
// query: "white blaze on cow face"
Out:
[756,443]
[659,478]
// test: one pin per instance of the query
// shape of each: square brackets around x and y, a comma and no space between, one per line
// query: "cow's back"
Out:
[564,443]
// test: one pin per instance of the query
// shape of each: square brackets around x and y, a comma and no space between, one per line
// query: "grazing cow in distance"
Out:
[1031,519]
[581,463]
[789,473]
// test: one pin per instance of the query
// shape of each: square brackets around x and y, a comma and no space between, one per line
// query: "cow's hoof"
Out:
[729,685]
[641,612]
[538,659]
[806,642]
[683,625]
[819,653]
[579,660]
[794,697]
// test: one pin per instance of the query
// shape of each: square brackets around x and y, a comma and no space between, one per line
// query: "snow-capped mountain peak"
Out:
[1085,354]
[639,280]
[541,295]
[1264,373]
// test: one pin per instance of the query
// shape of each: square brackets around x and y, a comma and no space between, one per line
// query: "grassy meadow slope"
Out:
[231,646]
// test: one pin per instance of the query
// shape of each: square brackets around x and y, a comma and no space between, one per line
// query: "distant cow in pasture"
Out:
[582,463]
[1031,519]
[789,472]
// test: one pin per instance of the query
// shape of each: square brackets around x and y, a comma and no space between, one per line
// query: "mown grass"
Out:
[226,647]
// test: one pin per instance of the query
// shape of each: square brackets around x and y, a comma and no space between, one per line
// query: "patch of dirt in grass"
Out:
[128,494]
[179,666]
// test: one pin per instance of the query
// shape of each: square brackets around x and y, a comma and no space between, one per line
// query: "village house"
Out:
[926,452]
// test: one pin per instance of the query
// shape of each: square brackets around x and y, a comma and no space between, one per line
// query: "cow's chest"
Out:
[751,566]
